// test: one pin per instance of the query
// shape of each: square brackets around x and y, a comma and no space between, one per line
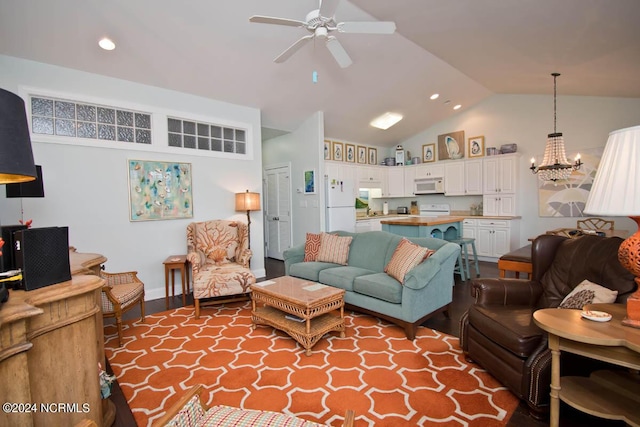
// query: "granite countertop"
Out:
[424,220]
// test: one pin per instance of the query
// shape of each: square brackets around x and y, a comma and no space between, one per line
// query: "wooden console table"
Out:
[51,341]
[604,394]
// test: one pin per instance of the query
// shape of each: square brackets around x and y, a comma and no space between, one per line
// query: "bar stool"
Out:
[463,267]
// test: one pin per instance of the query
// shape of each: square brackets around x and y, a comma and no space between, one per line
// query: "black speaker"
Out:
[43,256]
[7,260]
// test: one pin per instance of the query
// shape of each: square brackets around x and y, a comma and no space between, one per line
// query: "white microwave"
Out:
[428,186]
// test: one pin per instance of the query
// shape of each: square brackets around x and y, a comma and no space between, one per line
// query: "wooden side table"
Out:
[603,394]
[172,263]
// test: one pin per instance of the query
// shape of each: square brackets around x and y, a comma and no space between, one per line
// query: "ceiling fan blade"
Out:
[278,21]
[293,49]
[328,8]
[367,27]
[339,54]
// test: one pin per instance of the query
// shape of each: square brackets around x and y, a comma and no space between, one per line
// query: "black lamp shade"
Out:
[33,188]
[16,157]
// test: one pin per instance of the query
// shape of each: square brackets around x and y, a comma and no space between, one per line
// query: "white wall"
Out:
[302,148]
[526,120]
[86,188]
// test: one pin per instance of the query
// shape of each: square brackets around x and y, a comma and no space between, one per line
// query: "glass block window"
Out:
[59,117]
[206,136]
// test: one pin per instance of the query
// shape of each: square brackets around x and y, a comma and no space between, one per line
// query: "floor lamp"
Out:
[248,202]
[16,157]
[616,192]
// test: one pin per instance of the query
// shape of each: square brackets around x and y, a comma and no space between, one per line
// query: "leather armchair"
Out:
[498,331]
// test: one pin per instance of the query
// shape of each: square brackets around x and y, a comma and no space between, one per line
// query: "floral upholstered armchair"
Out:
[219,256]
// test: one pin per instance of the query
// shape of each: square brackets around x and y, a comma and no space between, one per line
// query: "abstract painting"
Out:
[568,198]
[451,145]
[159,190]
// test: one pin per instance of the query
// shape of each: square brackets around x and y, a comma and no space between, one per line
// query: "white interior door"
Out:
[278,211]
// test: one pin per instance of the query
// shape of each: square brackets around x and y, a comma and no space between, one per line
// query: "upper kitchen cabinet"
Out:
[395,182]
[463,177]
[370,176]
[500,173]
[425,170]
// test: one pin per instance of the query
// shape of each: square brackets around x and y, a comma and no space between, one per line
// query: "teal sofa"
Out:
[428,288]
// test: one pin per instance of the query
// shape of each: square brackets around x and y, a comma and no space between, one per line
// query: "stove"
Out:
[435,209]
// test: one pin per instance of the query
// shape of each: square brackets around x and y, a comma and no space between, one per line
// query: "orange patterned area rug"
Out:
[387,379]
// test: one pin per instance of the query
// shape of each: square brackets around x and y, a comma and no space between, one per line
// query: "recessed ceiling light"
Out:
[386,120]
[457,107]
[434,96]
[106,44]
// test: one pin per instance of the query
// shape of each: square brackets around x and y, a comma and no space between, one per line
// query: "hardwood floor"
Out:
[461,301]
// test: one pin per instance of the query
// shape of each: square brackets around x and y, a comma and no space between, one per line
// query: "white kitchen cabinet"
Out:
[409,178]
[472,177]
[363,225]
[499,205]
[495,237]
[470,229]
[340,171]
[370,176]
[394,184]
[500,174]
[454,182]
[425,170]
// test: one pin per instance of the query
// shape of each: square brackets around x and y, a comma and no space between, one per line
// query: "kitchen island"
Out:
[445,227]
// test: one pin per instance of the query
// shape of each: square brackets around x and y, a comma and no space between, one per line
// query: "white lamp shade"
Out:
[616,187]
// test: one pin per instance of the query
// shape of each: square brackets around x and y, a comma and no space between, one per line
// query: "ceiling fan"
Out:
[321,23]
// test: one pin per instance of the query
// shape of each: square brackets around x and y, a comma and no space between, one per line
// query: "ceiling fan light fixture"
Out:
[386,120]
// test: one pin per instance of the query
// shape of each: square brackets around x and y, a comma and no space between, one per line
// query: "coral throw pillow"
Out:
[334,248]
[406,256]
[311,247]
[588,293]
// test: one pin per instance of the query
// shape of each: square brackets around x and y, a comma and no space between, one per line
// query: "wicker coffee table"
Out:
[314,304]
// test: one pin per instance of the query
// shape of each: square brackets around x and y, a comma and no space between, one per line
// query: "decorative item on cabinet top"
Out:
[428,153]
[476,146]
[451,145]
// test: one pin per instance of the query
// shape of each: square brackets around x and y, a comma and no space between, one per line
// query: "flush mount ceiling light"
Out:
[386,120]
[555,166]
[106,43]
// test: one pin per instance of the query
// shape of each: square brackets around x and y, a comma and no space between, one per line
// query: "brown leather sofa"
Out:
[498,331]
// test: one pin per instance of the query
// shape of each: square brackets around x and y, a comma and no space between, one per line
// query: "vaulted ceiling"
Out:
[465,50]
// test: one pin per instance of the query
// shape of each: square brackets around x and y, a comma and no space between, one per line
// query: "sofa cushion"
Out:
[372,250]
[406,256]
[380,286]
[334,248]
[341,277]
[309,270]
[511,327]
[311,247]
[588,293]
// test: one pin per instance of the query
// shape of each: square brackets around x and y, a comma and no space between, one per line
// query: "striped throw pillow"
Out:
[334,248]
[406,256]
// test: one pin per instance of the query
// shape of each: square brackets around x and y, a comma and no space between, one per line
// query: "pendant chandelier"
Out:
[555,166]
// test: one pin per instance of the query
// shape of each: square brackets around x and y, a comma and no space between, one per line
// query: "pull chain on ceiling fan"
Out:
[321,23]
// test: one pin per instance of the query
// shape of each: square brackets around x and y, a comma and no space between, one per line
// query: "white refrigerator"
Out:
[341,206]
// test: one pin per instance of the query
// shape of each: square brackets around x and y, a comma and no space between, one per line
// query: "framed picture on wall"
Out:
[451,145]
[428,153]
[338,149]
[476,146]
[362,154]
[310,182]
[350,153]
[327,150]
[159,190]
[373,156]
